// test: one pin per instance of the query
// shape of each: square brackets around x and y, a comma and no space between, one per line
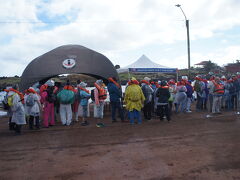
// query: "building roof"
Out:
[202,63]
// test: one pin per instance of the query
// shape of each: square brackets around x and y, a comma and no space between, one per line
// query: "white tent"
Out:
[142,62]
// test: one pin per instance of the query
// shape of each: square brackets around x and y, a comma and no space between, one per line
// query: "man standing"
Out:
[115,93]
[66,98]
[100,94]
[163,95]
[236,87]
[84,96]
[134,99]
[210,86]
[198,88]
[189,96]
[217,95]
[148,92]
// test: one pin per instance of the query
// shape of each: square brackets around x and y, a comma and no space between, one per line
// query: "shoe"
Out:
[100,125]
[113,121]
[85,123]
[17,134]
[188,111]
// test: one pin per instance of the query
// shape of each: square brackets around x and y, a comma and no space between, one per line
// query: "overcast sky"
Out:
[122,30]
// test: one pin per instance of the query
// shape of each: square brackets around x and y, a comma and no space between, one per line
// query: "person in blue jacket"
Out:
[115,94]
[84,96]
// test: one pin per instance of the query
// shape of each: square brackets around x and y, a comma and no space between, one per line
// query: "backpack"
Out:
[92,95]
[51,97]
[66,96]
[197,86]
[30,100]
[10,100]
[77,96]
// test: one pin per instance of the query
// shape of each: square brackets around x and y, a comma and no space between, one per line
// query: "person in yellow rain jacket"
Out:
[134,100]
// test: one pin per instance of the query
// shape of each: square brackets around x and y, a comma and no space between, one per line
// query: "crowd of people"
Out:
[39,107]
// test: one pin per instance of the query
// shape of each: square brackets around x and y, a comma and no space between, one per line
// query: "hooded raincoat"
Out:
[134,98]
[18,116]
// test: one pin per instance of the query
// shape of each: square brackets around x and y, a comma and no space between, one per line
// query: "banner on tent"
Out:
[154,70]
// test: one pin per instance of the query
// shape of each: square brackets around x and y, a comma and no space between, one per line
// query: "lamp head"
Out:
[178,5]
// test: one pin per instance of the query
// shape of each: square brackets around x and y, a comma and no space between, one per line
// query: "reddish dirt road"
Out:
[191,146]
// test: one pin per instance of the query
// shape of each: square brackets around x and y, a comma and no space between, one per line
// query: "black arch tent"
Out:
[67,59]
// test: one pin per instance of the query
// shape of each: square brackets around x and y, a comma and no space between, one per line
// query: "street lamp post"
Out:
[188,39]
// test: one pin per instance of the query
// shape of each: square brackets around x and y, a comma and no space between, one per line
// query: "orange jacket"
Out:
[219,88]
[111,79]
[69,87]
[102,93]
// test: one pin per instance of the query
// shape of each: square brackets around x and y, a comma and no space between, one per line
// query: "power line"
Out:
[85,21]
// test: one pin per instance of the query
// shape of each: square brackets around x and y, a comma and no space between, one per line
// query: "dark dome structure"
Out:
[67,59]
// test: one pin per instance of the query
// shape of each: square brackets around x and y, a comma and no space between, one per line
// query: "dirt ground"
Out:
[191,146]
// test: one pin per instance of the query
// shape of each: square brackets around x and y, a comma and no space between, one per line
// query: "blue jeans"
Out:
[100,108]
[182,105]
[85,111]
[115,106]
[135,114]
[210,99]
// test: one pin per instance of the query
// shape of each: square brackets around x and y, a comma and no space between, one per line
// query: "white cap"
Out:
[147,79]
[83,84]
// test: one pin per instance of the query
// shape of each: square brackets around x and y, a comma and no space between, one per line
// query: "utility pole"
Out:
[188,39]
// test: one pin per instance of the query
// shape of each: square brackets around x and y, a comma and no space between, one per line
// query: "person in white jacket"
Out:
[17,108]
[33,108]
